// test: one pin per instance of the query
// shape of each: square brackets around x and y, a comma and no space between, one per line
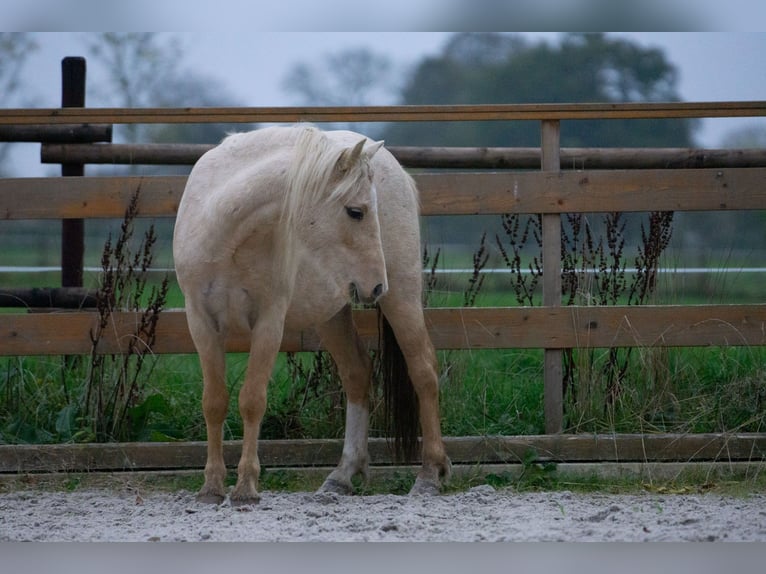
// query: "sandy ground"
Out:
[479,514]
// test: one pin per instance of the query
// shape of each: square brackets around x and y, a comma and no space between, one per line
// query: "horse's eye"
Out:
[355,213]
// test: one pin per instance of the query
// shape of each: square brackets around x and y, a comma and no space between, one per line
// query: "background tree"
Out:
[351,77]
[147,70]
[15,48]
[487,68]
[496,68]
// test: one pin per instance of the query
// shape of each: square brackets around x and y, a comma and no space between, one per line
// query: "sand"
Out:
[479,514]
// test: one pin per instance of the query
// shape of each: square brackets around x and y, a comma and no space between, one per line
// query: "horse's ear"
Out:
[350,156]
[372,149]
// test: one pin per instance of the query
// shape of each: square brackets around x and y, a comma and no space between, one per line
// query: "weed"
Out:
[476,280]
[429,285]
[309,402]
[114,406]
[523,285]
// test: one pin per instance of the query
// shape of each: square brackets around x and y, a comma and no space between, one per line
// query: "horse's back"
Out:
[239,157]
[233,188]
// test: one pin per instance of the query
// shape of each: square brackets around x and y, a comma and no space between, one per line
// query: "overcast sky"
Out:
[252,65]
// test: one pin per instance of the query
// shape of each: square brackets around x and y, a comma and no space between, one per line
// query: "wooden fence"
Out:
[620,180]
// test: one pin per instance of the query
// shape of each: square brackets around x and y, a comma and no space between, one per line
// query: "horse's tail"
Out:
[400,400]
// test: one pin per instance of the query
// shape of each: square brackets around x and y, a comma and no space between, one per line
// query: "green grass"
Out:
[496,392]
[721,480]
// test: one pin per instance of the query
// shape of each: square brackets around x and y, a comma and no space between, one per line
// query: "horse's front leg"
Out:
[215,399]
[264,346]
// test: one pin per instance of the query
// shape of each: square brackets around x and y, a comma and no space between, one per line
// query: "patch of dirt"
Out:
[479,514]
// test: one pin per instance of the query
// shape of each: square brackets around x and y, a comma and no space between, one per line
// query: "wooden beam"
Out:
[441,193]
[488,112]
[59,134]
[48,297]
[326,452]
[553,402]
[432,157]
[73,72]
[69,333]
[124,154]
[592,190]
[88,197]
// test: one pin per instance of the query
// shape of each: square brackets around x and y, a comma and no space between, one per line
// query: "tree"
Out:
[146,70]
[476,68]
[15,48]
[499,68]
[351,77]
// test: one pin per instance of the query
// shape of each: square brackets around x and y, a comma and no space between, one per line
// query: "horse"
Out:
[286,227]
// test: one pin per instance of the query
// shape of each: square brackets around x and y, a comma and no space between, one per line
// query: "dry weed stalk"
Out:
[593,273]
[524,285]
[115,382]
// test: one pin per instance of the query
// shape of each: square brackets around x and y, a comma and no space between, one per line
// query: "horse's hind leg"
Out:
[408,323]
[215,402]
[340,338]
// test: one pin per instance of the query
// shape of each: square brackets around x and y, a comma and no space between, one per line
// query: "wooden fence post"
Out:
[552,373]
[72,230]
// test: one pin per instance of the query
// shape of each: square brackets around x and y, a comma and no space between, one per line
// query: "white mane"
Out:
[314,177]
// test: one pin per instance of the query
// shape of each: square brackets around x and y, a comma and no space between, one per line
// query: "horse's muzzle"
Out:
[369,298]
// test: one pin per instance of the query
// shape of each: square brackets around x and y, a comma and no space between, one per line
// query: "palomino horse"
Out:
[281,228]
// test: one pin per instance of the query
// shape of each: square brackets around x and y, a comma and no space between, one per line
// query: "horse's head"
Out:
[359,226]
[342,232]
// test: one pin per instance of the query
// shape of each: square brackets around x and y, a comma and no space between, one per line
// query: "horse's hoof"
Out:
[336,486]
[425,487]
[206,496]
[239,500]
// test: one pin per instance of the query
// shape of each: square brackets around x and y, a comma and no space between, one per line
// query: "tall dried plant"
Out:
[476,280]
[116,382]
[523,284]
[593,273]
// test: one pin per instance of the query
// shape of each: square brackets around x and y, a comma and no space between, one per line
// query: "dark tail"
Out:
[400,399]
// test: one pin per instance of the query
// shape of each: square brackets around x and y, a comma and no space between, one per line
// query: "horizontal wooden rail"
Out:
[69,333]
[326,452]
[441,193]
[491,112]
[62,133]
[433,157]
[51,297]
[592,190]
[88,197]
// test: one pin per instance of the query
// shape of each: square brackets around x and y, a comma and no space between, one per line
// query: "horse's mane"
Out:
[313,178]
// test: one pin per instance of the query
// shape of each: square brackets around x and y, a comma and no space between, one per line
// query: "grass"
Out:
[483,392]
[722,480]
[497,392]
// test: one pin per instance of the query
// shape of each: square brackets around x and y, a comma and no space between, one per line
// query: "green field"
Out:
[482,393]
